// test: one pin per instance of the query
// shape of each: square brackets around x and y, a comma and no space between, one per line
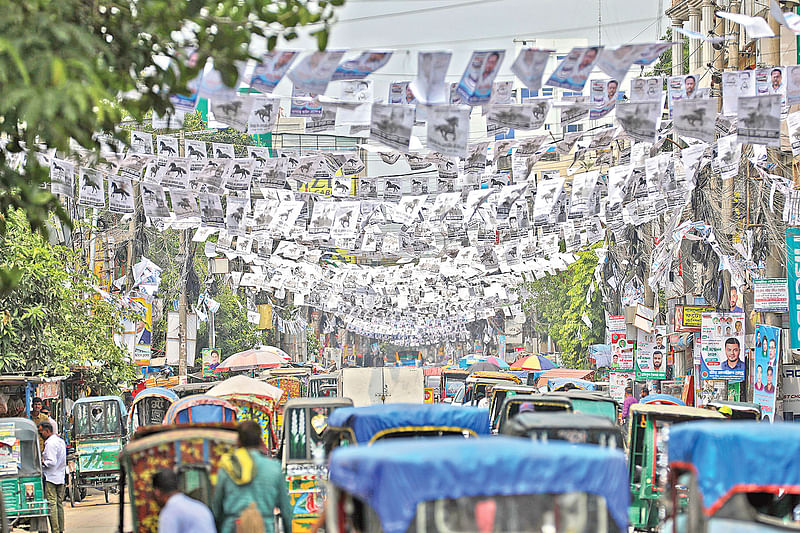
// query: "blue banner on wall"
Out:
[793,274]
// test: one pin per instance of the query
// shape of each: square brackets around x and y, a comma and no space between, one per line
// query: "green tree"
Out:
[68,69]
[663,67]
[55,321]
[556,305]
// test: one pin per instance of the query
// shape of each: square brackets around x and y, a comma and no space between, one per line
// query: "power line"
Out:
[415,11]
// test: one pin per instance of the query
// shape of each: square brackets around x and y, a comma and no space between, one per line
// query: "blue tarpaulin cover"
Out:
[394,476]
[737,454]
[367,421]
[662,399]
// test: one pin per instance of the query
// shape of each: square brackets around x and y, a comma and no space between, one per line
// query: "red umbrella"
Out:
[261,357]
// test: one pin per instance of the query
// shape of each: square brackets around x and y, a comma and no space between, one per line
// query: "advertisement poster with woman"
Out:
[651,354]
[722,346]
[765,374]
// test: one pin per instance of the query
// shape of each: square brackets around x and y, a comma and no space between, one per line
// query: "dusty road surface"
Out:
[93,515]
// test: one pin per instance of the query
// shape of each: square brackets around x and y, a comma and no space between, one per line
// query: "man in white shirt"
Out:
[46,412]
[54,462]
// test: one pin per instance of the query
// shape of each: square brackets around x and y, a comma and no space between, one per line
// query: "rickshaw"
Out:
[477,383]
[292,388]
[193,452]
[570,427]
[21,474]
[739,476]
[322,385]
[499,393]
[367,425]
[302,455]
[21,390]
[648,435]
[662,399]
[452,380]
[739,410]
[149,407]
[99,432]
[592,403]
[260,409]
[398,487]
[559,384]
[200,409]
[538,403]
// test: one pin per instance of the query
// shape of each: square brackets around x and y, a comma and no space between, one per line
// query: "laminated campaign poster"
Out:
[400,93]
[62,178]
[362,66]
[722,346]
[735,85]
[603,98]
[528,116]
[729,152]
[391,125]
[640,119]
[793,85]
[263,115]
[759,120]
[314,71]
[765,376]
[696,118]
[304,104]
[271,70]
[651,354]
[448,129]
[90,188]
[475,86]
[793,125]
[573,72]
[120,195]
[770,80]
[429,86]
[529,67]
[154,201]
[617,382]
[643,89]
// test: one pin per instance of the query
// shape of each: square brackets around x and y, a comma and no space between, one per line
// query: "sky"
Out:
[471,24]
[463,26]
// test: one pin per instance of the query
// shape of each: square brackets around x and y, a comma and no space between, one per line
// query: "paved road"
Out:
[94,515]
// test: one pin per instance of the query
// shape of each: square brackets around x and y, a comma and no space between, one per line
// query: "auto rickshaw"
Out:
[592,403]
[662,399]
[570,427]
[99,432]
[367,425]
[739,410]
[193,452]
[260,409]
[149,408]
[323,385]
[397,487]
[21,474]
[478,382]
[452,380]
[648,435]
[499,393]
[200,409]
[539,403]
[302,456]
[738,476]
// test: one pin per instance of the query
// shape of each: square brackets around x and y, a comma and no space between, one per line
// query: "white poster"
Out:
[154,201]
[448,129]
[759,120]
[90,188]
[120,195]
[529,67]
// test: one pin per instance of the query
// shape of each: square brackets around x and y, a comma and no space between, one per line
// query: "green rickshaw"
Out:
[648,436]
[21,474]
[99,432]
[302,455]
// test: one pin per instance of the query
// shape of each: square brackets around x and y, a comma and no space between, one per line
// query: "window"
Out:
[571,93]
[547,91]
[560,58]
[572,128]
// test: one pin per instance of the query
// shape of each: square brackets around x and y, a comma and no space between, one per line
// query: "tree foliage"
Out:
[54,321]
[556,305]
[68,69]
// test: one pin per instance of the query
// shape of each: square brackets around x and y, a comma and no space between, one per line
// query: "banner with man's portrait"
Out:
[722,346]
[651,354]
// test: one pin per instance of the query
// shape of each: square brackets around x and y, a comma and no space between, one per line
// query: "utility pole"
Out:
[182,309]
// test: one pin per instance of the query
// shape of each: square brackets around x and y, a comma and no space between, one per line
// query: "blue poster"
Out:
[501,347]
[765,374]
[793,273]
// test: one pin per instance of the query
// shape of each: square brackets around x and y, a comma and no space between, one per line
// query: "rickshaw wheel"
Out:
[105,493]
[71,491]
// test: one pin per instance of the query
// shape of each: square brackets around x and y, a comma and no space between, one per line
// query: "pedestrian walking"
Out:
[630,399]
[179,513]
[249,487]
[54,462]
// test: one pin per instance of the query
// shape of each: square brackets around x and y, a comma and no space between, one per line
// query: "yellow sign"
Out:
[693,314]
[428,395]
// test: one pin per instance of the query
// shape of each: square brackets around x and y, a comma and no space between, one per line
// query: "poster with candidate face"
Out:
[765,376]
[651,354]
[722,346]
